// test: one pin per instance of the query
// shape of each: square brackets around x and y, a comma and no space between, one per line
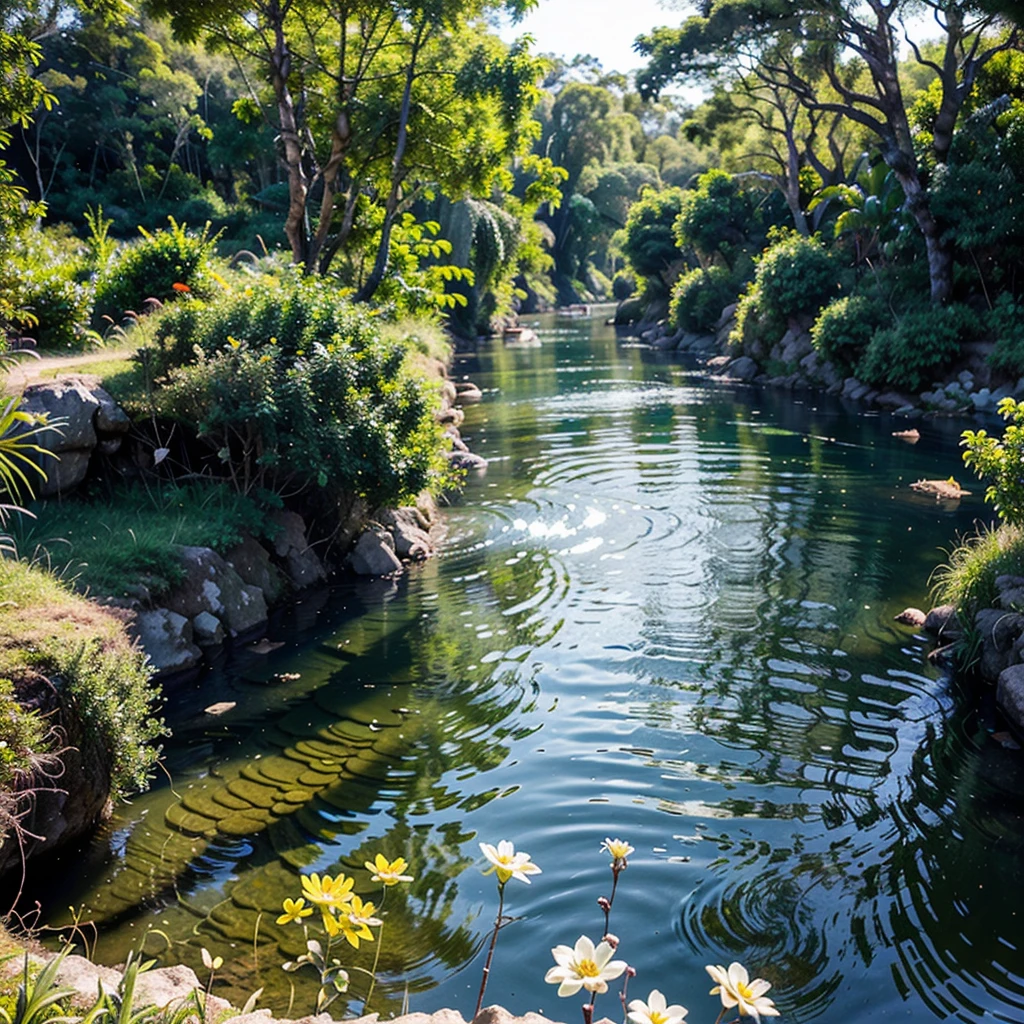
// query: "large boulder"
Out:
[252,562]
[1010,694]
[409,527]
[998,631]
[744,369]
[942,621]
[166,637]
[298,560]
[374,554]
[211,585]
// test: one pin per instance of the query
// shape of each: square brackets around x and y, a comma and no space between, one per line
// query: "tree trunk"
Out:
[298,185]
[380,266]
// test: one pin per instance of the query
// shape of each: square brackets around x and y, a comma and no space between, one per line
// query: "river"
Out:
[664,613]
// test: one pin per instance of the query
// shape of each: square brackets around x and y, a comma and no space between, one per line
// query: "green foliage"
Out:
[24,737]
[923,342]
[295,387]
[54,632]
[715,218]
[968,578]
[844,329]
[152,266]
[795,275]
[649,242]
[699,297]
[1004,323]
[1001,461]
[112,544]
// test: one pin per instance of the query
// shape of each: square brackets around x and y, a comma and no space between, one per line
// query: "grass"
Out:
[48,630]
[968,579]
[110,545]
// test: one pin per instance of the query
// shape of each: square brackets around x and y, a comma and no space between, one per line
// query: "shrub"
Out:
[623,285]
[649,240]
[1004,323]
[296,387]
[715,217]
[844,329]
[699,297]
[923,342]
[61,306]
[968,579]
[1001,461]
[152,266]
[795,275]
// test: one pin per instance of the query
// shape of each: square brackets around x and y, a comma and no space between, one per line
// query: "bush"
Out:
[1001,461]
[623,285]
[649,240]
[152,267]
[1004,323]
[699,297]
[716,217]
[922,343]
[795,275]
[844,329]
[51,631]
[968,579]
[295,387]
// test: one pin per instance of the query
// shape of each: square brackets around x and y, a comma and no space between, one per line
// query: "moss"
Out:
[46,629]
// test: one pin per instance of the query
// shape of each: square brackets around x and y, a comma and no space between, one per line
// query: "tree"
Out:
[375,104]
[855,46]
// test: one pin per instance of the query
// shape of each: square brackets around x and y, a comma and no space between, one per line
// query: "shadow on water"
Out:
[664,612]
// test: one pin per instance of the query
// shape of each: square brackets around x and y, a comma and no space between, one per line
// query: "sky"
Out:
[603,28]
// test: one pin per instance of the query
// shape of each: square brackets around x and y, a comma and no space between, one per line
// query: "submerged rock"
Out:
[911,617]
[166,637]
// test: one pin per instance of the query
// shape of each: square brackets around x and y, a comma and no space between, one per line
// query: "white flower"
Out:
[584,967]
[508,863]
[736,989]
[619,850]
[654,1011]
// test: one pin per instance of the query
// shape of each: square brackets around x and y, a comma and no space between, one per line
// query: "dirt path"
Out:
[28,369]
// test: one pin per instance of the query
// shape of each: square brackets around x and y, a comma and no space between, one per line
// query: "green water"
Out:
[663,613]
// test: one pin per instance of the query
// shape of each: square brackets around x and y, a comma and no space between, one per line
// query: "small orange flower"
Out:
[179,287]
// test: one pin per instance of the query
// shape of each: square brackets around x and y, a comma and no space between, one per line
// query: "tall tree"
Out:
[856,46]
[374,104]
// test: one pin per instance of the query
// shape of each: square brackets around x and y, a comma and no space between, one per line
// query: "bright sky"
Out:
[603,28]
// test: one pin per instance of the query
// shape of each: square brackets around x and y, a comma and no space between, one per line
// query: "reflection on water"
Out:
[664,612]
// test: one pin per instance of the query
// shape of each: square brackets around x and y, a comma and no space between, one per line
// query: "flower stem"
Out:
[490,951]
[588,1010]
[376,956]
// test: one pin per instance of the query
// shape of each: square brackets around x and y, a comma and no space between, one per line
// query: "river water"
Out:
[664,613]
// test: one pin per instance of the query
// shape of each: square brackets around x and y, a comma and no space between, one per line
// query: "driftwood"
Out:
[948,490]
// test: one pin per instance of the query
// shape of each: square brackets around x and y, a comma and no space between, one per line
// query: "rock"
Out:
[942,621]
[466,460]
[252,562]
[457,443]
[704,343]
[166,637]
[70,401]
[911,436]
[110,417]
[911,617]
[211,585]
[451,416]
[998,631]
[300,562]
[744,369]
[1011,592]
[109,446]
[207,630]
[85,977]
[64,472]
[982,400]
[411,541]
[374,554]
[966,379]
[718,363]
[1010,694]
[892,400]
[467,394]
[168,986]
[1000,393]
[944,490]
[795,346]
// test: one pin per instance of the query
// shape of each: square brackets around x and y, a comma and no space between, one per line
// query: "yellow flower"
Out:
[328,893]
[355,924]
[619,850]
[390,873]
[507,863]
[294,910]
[736,989]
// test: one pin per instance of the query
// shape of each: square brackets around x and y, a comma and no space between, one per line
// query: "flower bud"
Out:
[612,940]
[604,903]
[630,972]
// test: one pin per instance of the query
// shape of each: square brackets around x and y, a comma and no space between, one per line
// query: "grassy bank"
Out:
[51,635]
